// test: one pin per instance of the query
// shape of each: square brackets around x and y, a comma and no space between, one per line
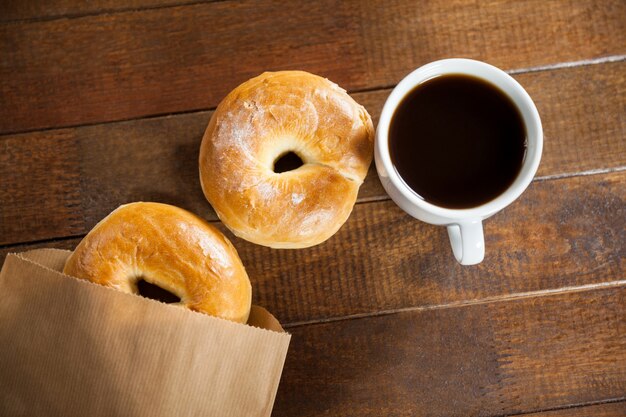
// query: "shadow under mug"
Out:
[465,227]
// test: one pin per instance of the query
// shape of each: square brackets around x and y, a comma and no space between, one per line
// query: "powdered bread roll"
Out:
[260,121]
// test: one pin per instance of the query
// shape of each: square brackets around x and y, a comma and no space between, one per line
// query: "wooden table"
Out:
[105,102]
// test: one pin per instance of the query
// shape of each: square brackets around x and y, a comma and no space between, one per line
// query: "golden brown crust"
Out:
[169,247]
[261,120]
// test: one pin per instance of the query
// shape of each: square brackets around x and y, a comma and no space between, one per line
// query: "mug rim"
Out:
[512,89]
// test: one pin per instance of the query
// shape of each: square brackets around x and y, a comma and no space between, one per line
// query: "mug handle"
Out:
[468,242]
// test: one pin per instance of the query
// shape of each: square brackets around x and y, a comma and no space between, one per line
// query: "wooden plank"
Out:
[11,10]
[160,61]
[617,409]
[492,359]
[81,174]
[561,233]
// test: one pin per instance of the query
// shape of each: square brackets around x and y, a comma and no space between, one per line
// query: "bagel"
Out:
[265,118]
[170,248]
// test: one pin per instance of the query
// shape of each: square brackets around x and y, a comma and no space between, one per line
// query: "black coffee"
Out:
[457,141]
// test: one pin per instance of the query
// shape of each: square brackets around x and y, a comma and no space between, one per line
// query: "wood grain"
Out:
[81,174]
[561,233]
[617,409]
[11,10]
[160,61]
[492,359]
[384,321]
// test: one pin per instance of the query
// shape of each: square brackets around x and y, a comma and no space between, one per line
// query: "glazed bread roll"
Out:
[168,247]
[274,114]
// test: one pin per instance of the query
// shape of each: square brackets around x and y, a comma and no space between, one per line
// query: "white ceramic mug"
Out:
[465,227]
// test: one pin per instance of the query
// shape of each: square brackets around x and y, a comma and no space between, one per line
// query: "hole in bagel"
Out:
[287,162]
[149,290]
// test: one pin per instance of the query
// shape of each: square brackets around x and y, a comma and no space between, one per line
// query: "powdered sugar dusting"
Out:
[296,198]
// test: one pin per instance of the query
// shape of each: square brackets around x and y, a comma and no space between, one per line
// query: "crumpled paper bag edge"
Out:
[24,256]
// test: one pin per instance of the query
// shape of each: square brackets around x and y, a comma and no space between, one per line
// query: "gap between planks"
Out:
[567,407]
[536,179]
[609,59]
[466,303]
[551,67]
[106,12]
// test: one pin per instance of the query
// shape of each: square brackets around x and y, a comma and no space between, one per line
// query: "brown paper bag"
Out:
[72,348]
